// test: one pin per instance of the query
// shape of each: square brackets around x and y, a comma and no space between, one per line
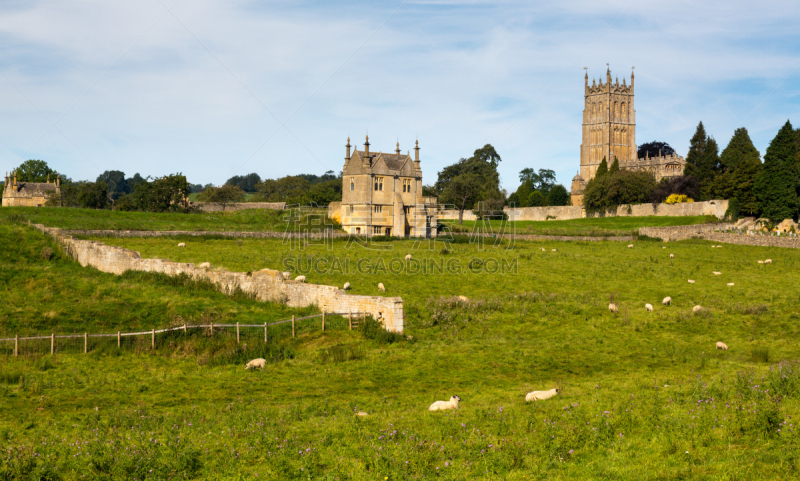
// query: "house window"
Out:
[388,231]
[377,209]
[351,210]
[406,185]
[407,209]
[378,183]
[352,183]
[358,230]
[376,229]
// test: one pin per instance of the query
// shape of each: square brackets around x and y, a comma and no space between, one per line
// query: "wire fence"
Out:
[148,340]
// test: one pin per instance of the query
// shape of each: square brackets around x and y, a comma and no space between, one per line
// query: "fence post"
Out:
[153,339]
[119,340]
[85,342]
[265,333]
[211,329]
[16,344]
[184,329]
[292,326]
[237,333]
[52,343]
[323,321]
[350,320]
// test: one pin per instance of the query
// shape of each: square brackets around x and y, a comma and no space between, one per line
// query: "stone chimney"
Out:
[347,155]
[397,150]
[416,156]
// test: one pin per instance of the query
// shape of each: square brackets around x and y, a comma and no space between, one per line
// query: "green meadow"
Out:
[644,395]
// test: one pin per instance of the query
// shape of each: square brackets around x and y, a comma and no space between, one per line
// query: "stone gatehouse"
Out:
[28,194]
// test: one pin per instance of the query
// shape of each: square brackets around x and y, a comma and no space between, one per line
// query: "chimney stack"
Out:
[347,156]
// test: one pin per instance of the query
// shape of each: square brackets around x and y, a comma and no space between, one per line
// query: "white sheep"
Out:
[630,246]
[730,284]
[463,298]
[381,287]
[760,262]
[361,414]
[664,247]
[717,273]
[408,257]
[672,256]
[443,405]
[697,308]
[691,281]
[648,307]
[205,265]
[722,345]
[543,249]
[541,395]
[554,250]
[300,278]
[613,308]
[182,244]
[346,285]
[768,261]
[719,246]
[287,275]
[667,301]
[256,363]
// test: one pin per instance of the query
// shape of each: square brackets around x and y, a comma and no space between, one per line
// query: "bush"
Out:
[732,214]
[678,199]
[372,329]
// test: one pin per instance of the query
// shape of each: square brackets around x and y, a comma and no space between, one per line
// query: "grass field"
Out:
[595,226]
[643,395]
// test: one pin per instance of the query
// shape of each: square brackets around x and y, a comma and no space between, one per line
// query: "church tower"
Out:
[609,124]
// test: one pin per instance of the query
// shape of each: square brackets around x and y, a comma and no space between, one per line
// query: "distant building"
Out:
[30,194]
[382,195]
[609,131]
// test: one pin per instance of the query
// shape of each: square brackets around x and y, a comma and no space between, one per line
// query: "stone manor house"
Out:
[609,131]
[28,194]
[382,195]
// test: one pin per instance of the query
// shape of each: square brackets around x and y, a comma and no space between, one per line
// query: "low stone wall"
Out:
[266,284]
[713,233]
[716,208]
[564,212]
[212,207]
[452,214]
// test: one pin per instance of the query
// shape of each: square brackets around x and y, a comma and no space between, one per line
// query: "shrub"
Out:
[678,199]
[372,329]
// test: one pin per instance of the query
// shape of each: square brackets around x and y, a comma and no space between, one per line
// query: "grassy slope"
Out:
[547,325]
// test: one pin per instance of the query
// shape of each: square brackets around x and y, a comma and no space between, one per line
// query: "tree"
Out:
[471,180]
[775,187]
[602,169]
[164,194]
[463,191]
[655,149]
[115,180]
[537,199]
[87,195]
[614,167]
[702,161]
[558,195]
[739,148]
[681,185]
[487,154]
[223,196]
[246,182]
[740,165]
[622,187]
[35,171]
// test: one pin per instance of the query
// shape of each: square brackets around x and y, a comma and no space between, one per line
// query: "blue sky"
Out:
[217,88]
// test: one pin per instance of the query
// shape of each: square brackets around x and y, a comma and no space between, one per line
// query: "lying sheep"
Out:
[630,246]
[648,307]
[300,278]
[697,308]
[463,298]
[205,265]
[730,283]
[691,281]
[613,308]
[667,301]
[554,250]
[381,287]
[672,256]
[256,363]
[760,262]
[541,395]
[443,405]
[182,244]
[408,257]
[361,414]
[722,345]
[768,261]
[716,273]
[346,285]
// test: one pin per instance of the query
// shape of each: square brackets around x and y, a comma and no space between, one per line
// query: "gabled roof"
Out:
[32,189]
[394,162]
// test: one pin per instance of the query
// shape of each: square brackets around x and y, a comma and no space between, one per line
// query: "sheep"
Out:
[408,257]
[722,345]
[205,265]
[361,414]
[442,405]
[648,307]
[768,261]
[719,246]
[287,275]
[346,286]
[256,363]
[672,256]
[630,246]
[381,287]
[691,281]
[182,244]
[667,301]
[554,250]
[541,395]
[730,284]
[664,247]
[300,278]
[697,308]
[613,308]
[463,298]
[716,273]
[543,249]
[760,262]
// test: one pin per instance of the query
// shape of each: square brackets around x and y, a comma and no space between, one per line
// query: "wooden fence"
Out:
[147,339]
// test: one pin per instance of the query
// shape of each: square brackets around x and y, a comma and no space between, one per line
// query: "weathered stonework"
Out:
[213,207]
[713,232]
[28,194]
[266,284]
[716,208]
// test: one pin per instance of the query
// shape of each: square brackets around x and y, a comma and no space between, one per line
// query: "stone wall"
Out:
[716,208]
[541,213]
[266,284]
[202,233]
[713,232]
[212,207]
[452,214]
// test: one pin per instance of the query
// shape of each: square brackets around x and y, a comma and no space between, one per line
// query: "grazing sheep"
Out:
[300,278]
[205,265]
[672,256]
[463,298]
[630,246]
[442,405]
[182,244]
[730,283]
[768,261]
[543,249]
[691,281]
[719,246]
[717,273]
[287,275]
[697,308]
[541,395]
[346,285]
[381,287]
[613,308]
[760,262]
[722,345]
[361,414]
[667,301]
[648,307]
[554,250]
[408,257]
[256,363]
